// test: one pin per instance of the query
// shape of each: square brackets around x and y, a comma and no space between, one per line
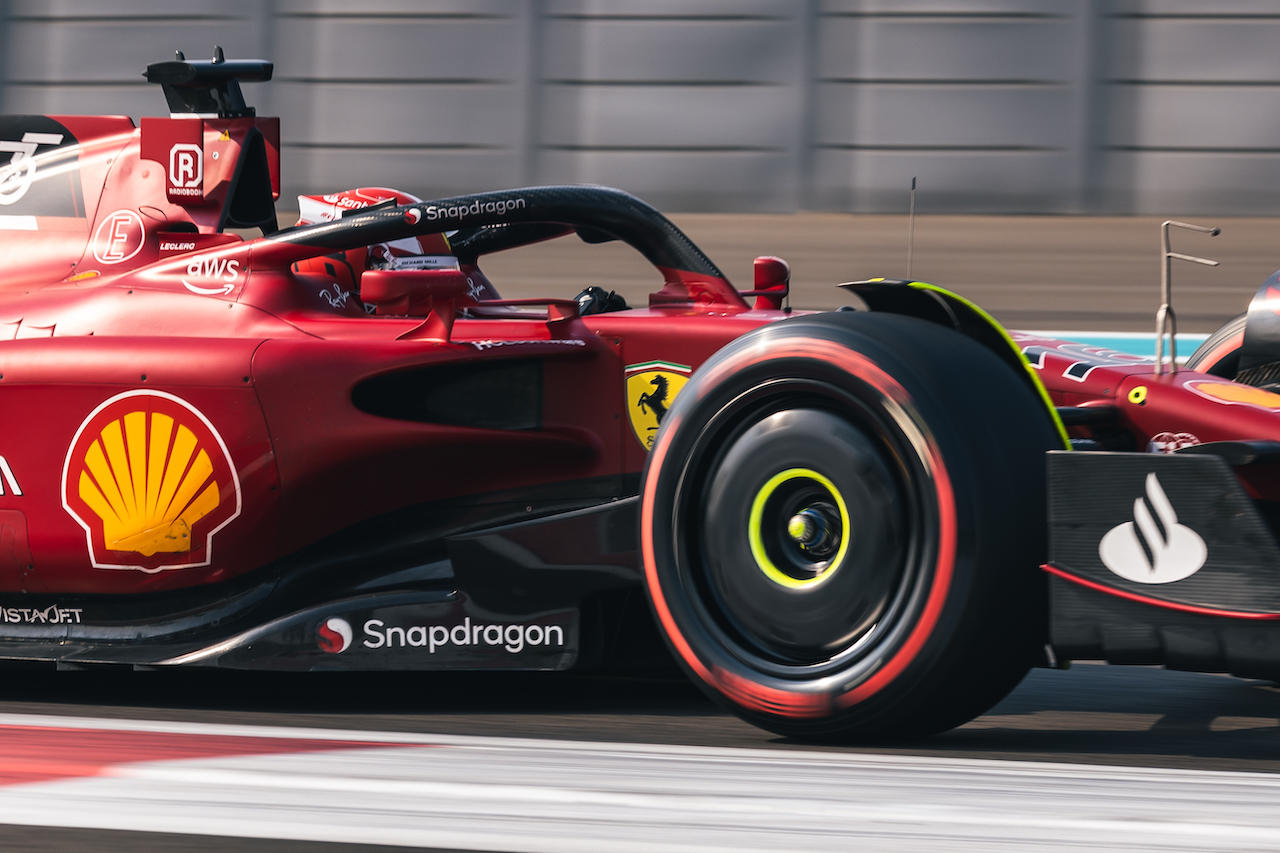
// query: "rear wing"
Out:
[215,150]
[208,89]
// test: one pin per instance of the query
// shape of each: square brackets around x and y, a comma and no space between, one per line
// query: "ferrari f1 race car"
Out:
[334,446]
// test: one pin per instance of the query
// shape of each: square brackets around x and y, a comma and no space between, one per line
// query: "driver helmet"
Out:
[424,252]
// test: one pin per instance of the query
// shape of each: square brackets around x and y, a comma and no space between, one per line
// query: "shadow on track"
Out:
[1141,716]
[1089,714]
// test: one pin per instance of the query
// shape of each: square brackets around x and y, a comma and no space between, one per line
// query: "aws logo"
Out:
[151,482]
[221,272]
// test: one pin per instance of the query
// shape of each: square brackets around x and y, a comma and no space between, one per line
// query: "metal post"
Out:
[911,228]
[1165,318]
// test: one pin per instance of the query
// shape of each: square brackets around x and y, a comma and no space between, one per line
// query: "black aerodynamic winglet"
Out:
[208,88]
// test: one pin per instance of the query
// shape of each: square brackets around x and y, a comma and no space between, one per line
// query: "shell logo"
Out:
[151,481]
[1231,393]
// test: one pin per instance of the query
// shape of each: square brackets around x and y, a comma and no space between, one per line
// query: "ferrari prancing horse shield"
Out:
[651,389]
[151,481]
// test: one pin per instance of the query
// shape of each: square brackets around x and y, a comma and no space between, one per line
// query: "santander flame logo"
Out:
[1176,551]
[334,635]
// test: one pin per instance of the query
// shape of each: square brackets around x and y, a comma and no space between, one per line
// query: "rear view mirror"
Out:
[772,283]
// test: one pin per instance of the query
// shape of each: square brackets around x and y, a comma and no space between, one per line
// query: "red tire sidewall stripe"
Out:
[660,607]
[943,571]
[1220,352]
[775,700]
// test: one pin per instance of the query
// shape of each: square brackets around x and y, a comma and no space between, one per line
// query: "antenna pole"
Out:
[1166,320]
[911,227]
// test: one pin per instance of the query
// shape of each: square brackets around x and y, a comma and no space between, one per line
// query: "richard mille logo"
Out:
[1154,547]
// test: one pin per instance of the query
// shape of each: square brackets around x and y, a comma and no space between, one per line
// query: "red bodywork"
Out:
[1162,413]
[131,316]
[139,303]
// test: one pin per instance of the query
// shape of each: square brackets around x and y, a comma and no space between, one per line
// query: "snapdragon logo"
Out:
[334,635]
[513,638]
[474,209]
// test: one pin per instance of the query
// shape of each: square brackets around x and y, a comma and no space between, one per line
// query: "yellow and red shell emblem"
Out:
[1232,393]
[151,482]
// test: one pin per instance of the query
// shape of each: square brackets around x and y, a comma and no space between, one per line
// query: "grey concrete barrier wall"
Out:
[1041,106]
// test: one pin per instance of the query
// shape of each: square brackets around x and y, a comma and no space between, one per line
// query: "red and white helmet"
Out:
[426,251]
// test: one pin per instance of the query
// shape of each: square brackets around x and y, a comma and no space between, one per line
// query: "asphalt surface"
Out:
[527,795]
[1090,714]
[1031,272]
[49,839]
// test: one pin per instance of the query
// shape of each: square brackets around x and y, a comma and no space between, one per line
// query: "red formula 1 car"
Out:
[335,447]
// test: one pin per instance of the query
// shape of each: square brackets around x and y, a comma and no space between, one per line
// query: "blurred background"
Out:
[804,119]
[1027,106]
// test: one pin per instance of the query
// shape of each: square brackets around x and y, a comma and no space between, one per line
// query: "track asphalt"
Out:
[539,796]
[196,761]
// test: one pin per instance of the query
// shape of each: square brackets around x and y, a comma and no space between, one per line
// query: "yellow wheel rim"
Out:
[756,535]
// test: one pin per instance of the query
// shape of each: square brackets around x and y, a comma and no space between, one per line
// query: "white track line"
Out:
[543,796]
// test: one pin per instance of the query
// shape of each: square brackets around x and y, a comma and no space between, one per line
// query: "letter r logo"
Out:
[186,165]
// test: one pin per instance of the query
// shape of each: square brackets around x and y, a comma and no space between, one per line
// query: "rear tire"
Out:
[842,522]
[1219,355]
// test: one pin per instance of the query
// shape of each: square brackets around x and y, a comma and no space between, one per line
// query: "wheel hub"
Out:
[816,530]
[799,528]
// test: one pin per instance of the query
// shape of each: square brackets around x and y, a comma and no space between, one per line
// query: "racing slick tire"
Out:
[1219,355]
[842,522]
